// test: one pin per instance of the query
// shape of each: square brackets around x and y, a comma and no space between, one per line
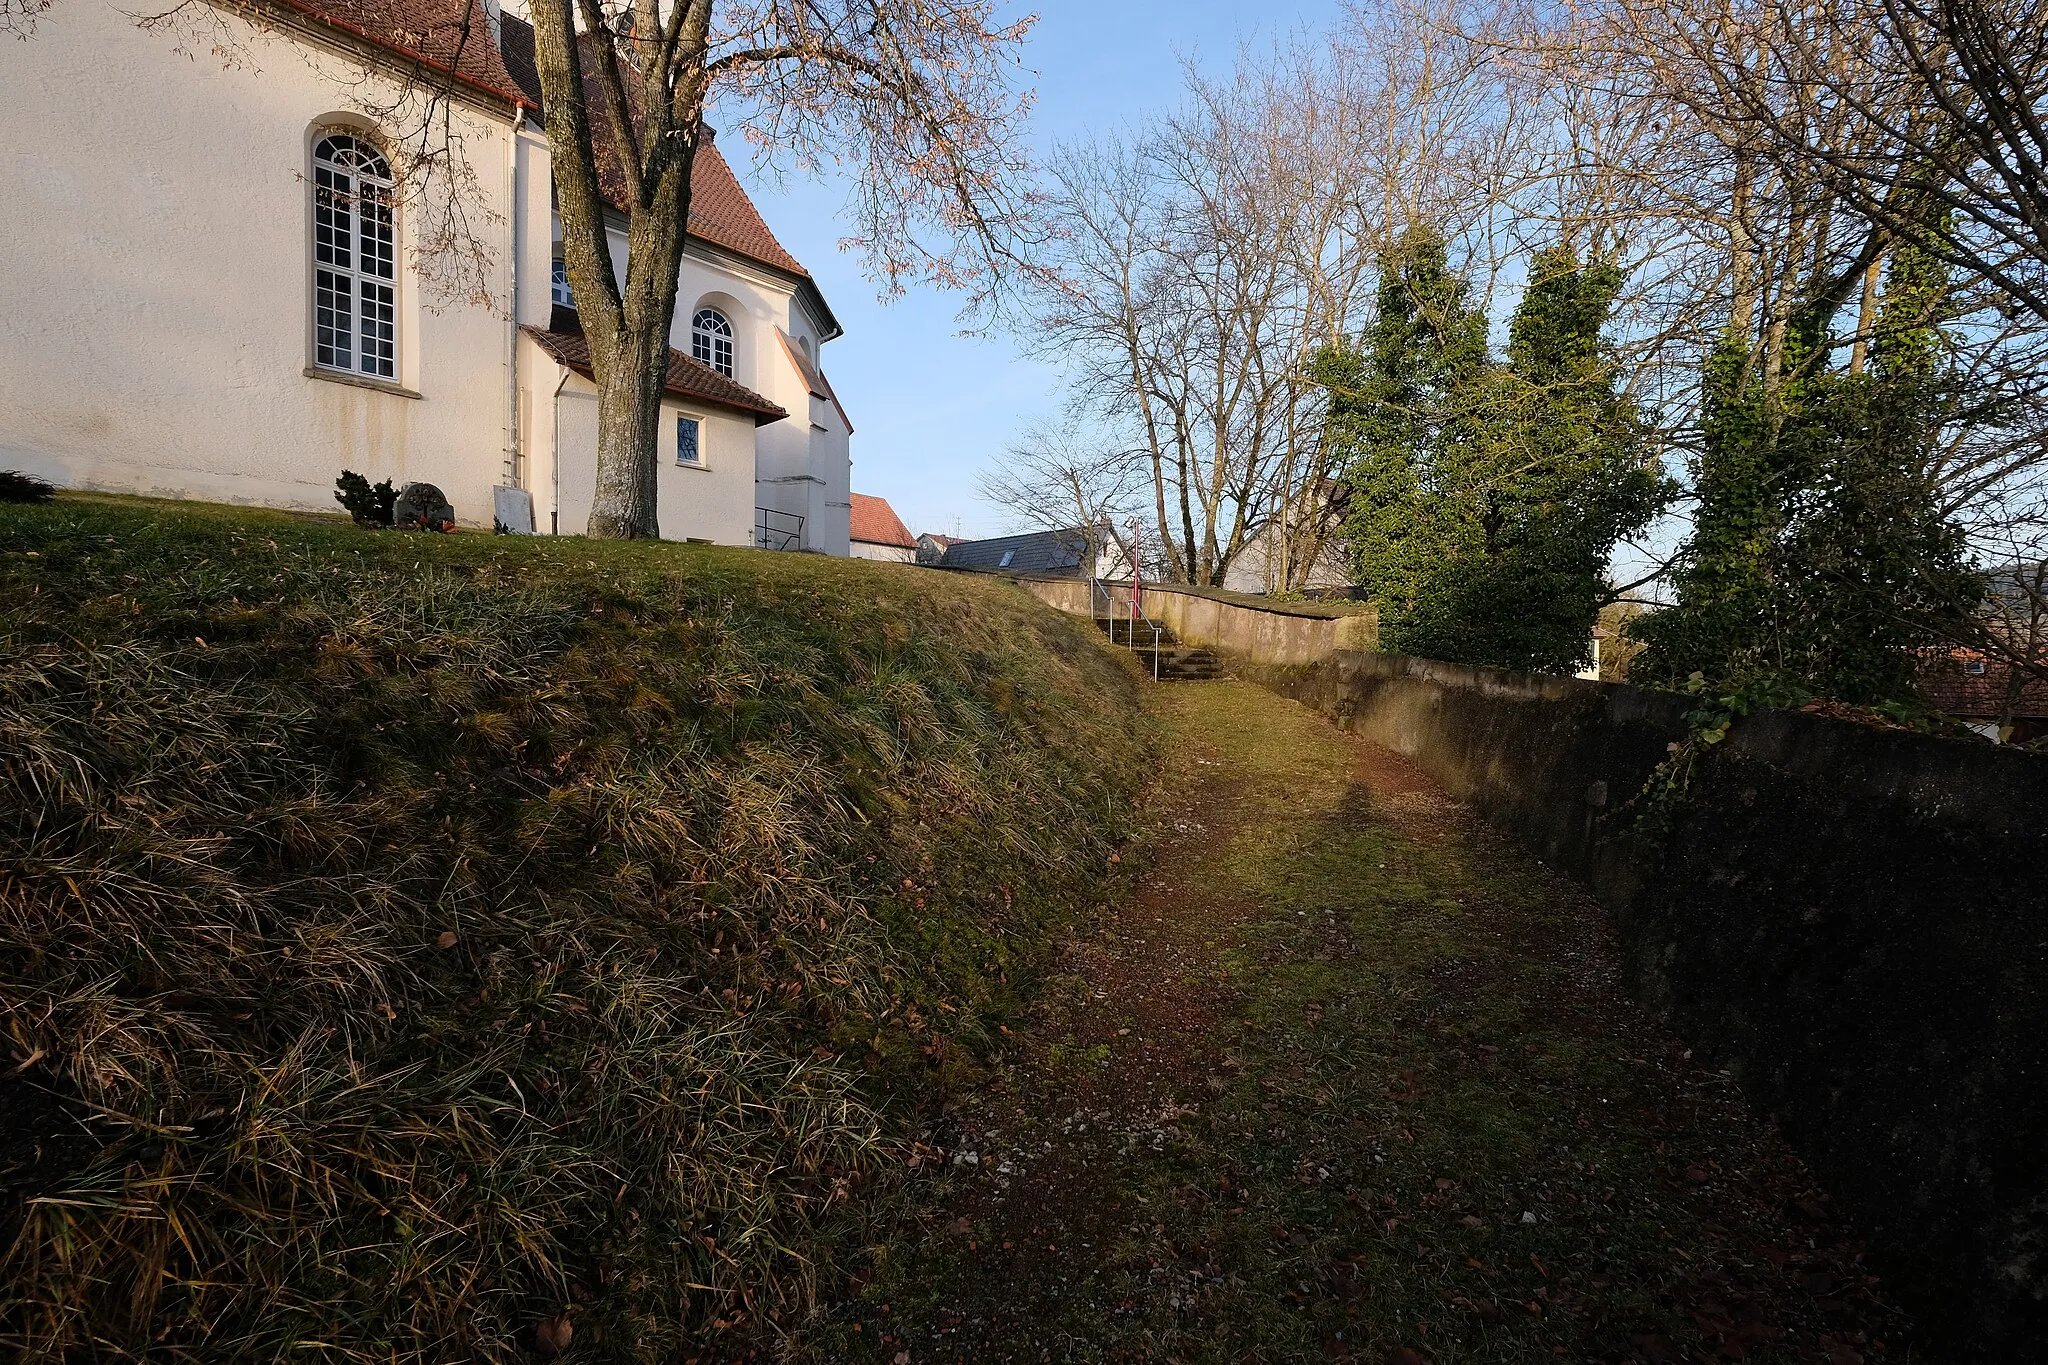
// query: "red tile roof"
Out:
[1950,688]
[687,377]
[876,522]
[445,35]
[720,212]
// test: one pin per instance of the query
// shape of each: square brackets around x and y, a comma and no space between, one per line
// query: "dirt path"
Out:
[1352,1079]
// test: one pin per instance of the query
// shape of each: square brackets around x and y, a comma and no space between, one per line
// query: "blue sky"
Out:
[930,407]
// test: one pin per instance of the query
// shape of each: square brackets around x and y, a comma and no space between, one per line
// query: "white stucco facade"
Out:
[158,298]
[885,554]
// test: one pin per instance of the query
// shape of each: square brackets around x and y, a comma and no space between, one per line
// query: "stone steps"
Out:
[1182,663]
[1177,662]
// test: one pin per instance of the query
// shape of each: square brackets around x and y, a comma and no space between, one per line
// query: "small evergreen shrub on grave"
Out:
[16,486]
[369,504]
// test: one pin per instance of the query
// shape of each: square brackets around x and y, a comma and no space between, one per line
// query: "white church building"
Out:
[209,287]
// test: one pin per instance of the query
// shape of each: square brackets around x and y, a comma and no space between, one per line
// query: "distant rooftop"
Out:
[1069,553]
[875,522]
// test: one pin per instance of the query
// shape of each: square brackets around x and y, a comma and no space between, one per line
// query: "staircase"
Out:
[1175,662]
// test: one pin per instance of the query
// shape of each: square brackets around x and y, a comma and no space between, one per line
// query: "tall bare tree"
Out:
[1203,263]
[920,96]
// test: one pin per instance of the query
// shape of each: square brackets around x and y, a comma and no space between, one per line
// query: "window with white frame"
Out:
[563,298]
[689,447]
[355,275]
[711,340]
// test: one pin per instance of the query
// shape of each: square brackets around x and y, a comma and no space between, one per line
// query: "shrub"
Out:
[16,486]
[367,504]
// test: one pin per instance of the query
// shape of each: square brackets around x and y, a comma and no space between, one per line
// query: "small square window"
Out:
[1008,555]
[687,449]
[1975,666]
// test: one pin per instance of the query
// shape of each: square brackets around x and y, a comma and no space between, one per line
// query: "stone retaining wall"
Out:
[1279,633]
[1853,920]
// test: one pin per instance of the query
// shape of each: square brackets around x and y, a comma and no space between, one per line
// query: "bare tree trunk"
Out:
[630,379]
[1866,315]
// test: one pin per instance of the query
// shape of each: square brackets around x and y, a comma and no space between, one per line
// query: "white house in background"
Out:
[878,533]
[212,291]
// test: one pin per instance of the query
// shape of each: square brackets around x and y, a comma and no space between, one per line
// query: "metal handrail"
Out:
[1133,613]
[770,536]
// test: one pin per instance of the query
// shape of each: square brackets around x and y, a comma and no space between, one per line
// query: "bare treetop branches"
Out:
[922,100]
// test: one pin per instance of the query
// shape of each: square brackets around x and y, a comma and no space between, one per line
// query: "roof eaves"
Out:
[564,348]
[320,18]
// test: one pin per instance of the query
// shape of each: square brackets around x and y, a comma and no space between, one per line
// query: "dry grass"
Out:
[405,941]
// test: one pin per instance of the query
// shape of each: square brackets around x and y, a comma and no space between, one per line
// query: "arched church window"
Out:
[711,340]
[355,278]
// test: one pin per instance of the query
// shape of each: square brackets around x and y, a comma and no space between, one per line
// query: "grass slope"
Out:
[412,946]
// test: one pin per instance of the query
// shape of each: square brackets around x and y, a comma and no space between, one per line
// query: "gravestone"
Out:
[512,510]
[422,507]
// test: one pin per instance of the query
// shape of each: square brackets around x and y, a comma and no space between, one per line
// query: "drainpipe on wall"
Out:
[555,454]
[512,310]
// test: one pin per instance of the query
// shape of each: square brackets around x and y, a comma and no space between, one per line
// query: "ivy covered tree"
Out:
[1486,497]
[1821,555]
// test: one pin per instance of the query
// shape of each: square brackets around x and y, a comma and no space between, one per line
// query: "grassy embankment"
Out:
[411,945]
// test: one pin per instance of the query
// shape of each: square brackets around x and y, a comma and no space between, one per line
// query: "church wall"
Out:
[155,223]
[714,502]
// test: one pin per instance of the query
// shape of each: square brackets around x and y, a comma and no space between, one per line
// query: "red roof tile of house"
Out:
[720,212]
[1951,688]
[875,522]
[446,35]
[687,377]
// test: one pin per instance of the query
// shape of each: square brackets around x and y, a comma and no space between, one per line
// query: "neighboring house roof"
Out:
[446,35]
[720,212]
[687,378]
[1951,688]
[942,541]
[1069,552]
[875,522]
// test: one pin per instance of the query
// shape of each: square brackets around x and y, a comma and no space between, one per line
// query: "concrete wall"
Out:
[1269,635]
[155,229]
[1281,633]
[1853,920]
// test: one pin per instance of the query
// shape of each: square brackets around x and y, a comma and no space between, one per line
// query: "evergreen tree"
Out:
[1869,558]
[1819,552]
[1487,498]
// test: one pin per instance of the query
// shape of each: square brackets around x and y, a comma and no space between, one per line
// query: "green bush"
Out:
[366,503]
[16,486]
[407,942]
